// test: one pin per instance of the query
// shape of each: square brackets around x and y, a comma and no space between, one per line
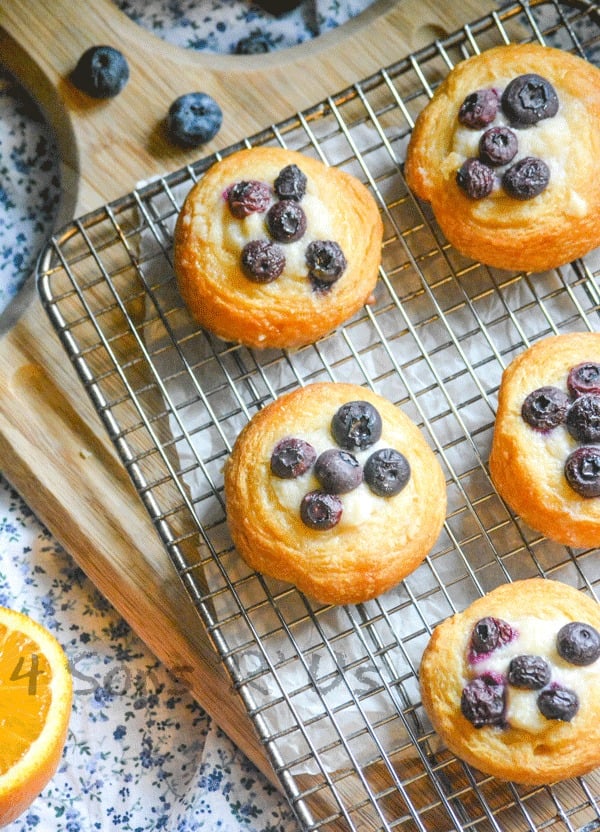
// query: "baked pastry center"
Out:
[238,233]
[341,482]
[548,140]
[524,668]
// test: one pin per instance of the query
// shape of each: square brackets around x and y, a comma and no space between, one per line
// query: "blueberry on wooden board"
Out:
[194,119]
[101,72]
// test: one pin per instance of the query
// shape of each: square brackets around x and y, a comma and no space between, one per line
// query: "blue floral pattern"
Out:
[29,185]
[220,25]
[141,754]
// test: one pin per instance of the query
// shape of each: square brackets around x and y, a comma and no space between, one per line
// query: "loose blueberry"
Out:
[286,221]
[475,179]
[290,183]
[320,511]
[256,43]
[194,119]
[248,197]
[356,426]
[326,262]
[490,633]
[578,643]
[584,378]
[558,703]
[479,109]
[528,99]
[483,701]
[498,146]
[386,472]
[582,470]
[338,471]
[527,178]
[529,672]
[101,72]
[292,457]
[545,408]
[262,261]
[583,418]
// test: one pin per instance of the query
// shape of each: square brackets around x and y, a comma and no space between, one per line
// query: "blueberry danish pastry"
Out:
[507,153]
[275,249]
[512,683]
[545,456]
[332,488]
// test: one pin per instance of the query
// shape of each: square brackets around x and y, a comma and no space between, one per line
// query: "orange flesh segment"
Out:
[25,698]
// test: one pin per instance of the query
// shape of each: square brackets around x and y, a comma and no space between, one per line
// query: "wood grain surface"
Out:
[53,447]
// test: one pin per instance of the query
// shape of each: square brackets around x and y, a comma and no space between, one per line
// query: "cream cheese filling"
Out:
[238,232]
[550,139]
[358,504]
[537,637]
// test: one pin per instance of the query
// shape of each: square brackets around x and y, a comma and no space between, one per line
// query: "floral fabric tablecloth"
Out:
[141,754]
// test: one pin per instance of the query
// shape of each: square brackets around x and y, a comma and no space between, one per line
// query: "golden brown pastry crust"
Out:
[565,749]
[561,223]
[354,561]
[526,465]
[286,312]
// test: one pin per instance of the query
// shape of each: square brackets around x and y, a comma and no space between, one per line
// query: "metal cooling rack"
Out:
[333,693]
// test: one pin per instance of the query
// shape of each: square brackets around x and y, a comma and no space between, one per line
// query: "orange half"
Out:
[35,705]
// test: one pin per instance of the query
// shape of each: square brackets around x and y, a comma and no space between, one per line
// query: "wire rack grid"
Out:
[333,692]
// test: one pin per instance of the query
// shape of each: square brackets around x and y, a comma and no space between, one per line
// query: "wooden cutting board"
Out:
[53,447]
